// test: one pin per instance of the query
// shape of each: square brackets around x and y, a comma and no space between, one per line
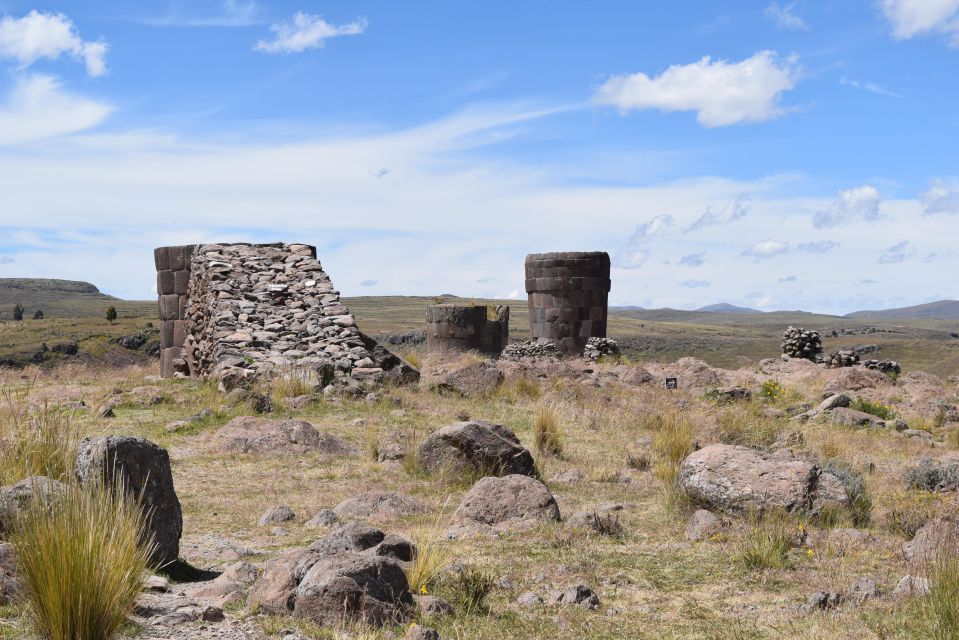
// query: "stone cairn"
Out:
[267,310]
[799,343]
[597,348]
[173,281]
[456,328]
[568,297]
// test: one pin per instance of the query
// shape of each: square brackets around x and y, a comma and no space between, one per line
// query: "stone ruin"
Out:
[252,311]
[799,343]
[459,328]
[568,297]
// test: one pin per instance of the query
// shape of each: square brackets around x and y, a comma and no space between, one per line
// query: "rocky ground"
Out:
[636,518]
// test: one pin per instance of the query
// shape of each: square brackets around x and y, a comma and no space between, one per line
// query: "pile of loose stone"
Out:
[885,366]
[841,358]
[596,348]
[266,310]
[799,343]
[530,349]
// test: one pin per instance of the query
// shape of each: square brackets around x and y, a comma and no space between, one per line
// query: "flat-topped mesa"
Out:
[460,328]
[264,310]
[568,298]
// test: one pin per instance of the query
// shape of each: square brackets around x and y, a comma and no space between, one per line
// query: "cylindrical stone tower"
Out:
[568,297]
[173,281]
[483,328]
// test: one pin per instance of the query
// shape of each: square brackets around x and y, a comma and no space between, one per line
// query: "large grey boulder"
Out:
[475,447]
[515,497]
[248,434]
[14,497]
[349,587]
[935,538]
[847,417]
[145,470]
[739,480]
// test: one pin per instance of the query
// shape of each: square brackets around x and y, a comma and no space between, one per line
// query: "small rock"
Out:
[578,594]
[529,599]
[276,514]
[822,600]
[433,606]
[910,586]
[703,525]
[323,518]
[417,632]
[863,589]
[156,584]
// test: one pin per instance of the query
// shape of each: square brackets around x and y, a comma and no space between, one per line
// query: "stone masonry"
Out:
[568,297]
[456,328]
[173,280]
[266,310]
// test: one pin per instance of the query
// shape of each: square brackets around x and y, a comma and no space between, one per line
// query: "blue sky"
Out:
[771,154]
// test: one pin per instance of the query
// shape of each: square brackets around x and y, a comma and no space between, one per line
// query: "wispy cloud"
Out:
[693,260]
[871,87]
[229,13]
[788,279]
[897,253]
[305,31]
[721,93]
[733,210]
[852,204]
[819,246]
[648,230]
[39,108]
[784,16]
[695,284]
[766,249]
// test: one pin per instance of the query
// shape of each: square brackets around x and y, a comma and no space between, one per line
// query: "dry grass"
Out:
[546,430]
[37,441]
[767,544]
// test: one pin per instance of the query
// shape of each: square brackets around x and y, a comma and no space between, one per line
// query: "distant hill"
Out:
[59,299]
[942,310]
[724,307]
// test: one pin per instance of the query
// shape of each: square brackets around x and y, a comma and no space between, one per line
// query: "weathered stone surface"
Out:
[495,500]
[473,380]
[145,470]
[229,587]
[935,538]
[348,537]
[475,446]
[386,504]
[247,434]
[703,525]
[433,606]
[17,496]
[852,418]
[856,379]
[911,586]
[418,632]
[277,514]
[739,480]
[322,518]
[579,594]
[10,587]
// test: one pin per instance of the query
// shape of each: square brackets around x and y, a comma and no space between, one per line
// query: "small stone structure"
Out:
[173,280]
[799,343]
[457,328]
[568,297]
[264,310]
[839,359]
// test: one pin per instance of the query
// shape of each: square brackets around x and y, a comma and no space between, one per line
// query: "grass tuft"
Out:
[546,432]
[37,442]
[767,544]
[873,408]
[941,604]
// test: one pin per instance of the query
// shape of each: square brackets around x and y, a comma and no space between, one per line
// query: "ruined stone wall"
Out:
[483,328]
[568,297]
[173,281]
[258,311]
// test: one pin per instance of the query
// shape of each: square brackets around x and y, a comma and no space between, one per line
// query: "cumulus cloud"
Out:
[720,92]
[940,198]
[785,16]
[766,249]
[38,108]
[306,31]
[695,284]
[49,35]
[821,246]
[911,18]
[734,210]
[897,253]
[858,203]
[693,260]
[648,230]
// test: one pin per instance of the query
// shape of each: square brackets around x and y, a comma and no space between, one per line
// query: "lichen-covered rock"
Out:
[384,504]
[145,471]
[851,418]
[17,496]
[247,434]
[703,525]
[740,480]
[517,497]
[932,540]
[475,447]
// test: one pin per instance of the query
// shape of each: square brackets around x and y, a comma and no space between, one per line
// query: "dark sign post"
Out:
[671,383]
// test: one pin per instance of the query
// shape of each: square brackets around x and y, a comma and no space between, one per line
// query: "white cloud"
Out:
[871,87]
[785,16]
[631,259]
[788,279]
[49,35]
[940,198]
[734,210]
[693,260]
[766,249]
[37,108]
[819,246]
[897,253]
[648,230]
[911,18]
[722,93]
[306,31]
[858,203]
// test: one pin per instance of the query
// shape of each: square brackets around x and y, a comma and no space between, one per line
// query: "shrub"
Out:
[546,434]
[860,504]
[930,475]
[82,557]
[767,544]
[771,390]
[41,442]
[873,408]
[466,590]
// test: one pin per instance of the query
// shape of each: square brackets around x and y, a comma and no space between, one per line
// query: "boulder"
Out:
[856,379]
[473,380]
[731,394]
[851,418]
[384,504]
[17,496]
[349,537]
[247,434]
[418,632]
[228,587]
[145,470]
[433,606]
[932,540]
[475,447]
[347,588]
[10,586]
[834,401]
[323,518]
[494,500]
[277,514]
[909,586]
[739,480]
[579,594]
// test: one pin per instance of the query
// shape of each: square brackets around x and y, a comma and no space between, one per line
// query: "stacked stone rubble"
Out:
[261,311]
[799,343]
[530,349]
[173,281]
[841,358]
[885,366]
[568,297]
[597,348]
[456,328]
